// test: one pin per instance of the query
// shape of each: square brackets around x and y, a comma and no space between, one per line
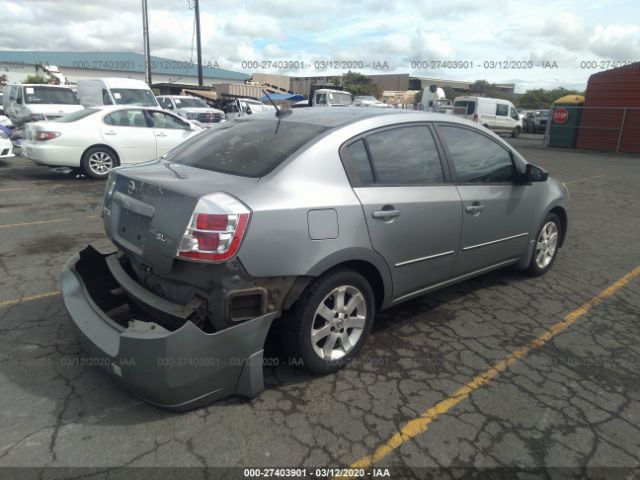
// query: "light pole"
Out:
[198,41]
[145,34]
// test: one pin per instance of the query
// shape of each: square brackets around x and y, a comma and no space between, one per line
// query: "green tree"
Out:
[359,84]
[38,79]
[541,98]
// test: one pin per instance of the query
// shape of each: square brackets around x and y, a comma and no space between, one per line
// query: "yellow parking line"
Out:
[37,222]
[40,222]
[31,187]
[6,303]
[420,424]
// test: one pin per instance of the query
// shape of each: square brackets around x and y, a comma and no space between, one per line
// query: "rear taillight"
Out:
[44,135]
[215,229]
[475,117]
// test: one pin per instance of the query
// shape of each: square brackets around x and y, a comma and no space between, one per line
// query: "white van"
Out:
[24,103]
[94,92]
[326,97]
[494,113]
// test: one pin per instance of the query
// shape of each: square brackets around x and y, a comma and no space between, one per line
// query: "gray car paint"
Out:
[278,242]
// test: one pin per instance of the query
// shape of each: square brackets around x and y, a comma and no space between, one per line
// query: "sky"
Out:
[534,44]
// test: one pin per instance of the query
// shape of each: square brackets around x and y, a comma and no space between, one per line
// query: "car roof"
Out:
[123,107]
[342,116]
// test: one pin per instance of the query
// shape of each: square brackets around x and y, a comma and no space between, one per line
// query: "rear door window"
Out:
[359,159]
[126,118]
[248,147]
[405,156]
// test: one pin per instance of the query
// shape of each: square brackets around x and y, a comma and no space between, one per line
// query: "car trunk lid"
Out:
[147,207]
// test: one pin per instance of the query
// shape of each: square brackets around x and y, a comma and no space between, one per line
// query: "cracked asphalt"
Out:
[568,408]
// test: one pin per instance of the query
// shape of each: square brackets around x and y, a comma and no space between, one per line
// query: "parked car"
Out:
[115,91]
[36,102]
[242,224]
[494,113]
[369,101]
[6,147]
[247,106]
[98,139]
[536,121]
[191,108]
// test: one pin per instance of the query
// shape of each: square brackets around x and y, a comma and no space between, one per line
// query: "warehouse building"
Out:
[392,82]
[17,65]
[611,113]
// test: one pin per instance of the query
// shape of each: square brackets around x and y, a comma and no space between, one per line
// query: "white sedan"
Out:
[96,140]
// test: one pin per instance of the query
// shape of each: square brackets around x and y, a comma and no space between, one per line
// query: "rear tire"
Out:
[97,162]
[330,322]
[546,247]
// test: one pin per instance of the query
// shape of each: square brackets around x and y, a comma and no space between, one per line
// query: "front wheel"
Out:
[331,321]
[97,162]
[515,132]
[547,244]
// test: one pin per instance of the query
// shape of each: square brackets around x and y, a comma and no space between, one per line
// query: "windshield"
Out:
[134,96]
[468,105]
[190,103]
[340,99]
[542,113]
[75,116]
[50,96]
[246,147]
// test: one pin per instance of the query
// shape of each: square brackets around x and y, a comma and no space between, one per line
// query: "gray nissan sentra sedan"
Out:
[308,222]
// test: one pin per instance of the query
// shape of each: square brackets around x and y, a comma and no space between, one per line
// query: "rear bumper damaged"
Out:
[180,369]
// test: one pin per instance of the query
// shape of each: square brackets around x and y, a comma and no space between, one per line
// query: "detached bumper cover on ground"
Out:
[180,369]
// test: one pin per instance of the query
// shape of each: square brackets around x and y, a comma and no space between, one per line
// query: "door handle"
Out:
[385,214]
[161,134]
[474,209]
[110,132]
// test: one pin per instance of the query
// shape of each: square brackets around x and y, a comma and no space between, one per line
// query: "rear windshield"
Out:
[248,147]
[75,116]
[50,96]
[134,96]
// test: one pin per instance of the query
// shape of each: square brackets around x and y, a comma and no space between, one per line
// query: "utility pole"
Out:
[198,41]
[145,34]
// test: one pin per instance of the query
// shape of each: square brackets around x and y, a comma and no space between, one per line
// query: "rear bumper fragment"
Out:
[179,370]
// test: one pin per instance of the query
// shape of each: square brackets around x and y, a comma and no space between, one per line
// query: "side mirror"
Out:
[535,174]
[19,101]
[248,111]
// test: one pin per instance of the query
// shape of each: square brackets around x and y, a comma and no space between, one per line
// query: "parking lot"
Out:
[500,371]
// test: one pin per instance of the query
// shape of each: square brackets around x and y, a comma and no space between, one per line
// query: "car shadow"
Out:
[95,398]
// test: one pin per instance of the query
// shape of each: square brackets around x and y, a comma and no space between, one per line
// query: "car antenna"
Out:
[279,112]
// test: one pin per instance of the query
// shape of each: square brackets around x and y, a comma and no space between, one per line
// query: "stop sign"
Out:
[560,115]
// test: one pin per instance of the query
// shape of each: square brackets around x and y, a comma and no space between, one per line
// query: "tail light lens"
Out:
[215,229]
[44,135]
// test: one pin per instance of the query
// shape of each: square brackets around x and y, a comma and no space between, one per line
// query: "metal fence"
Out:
[596,128]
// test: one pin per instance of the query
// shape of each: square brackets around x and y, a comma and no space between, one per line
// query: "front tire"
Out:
[547,244]
[97,162]
[330,322]
[515,132]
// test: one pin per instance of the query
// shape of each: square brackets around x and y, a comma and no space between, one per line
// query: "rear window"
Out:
[249,148]
[75,116]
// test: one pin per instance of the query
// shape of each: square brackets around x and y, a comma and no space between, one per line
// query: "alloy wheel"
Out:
[338,322]
[547,244]
[100,163]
